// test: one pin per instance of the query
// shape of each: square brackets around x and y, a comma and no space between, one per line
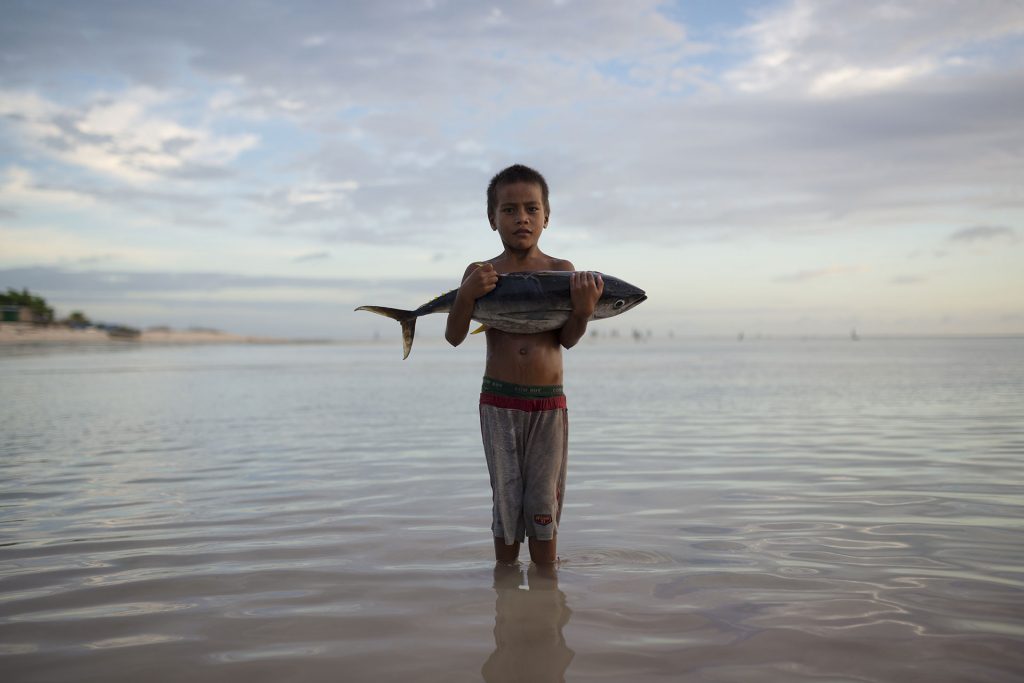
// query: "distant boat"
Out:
[853,335]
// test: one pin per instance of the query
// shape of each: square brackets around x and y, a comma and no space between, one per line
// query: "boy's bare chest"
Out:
[535,356]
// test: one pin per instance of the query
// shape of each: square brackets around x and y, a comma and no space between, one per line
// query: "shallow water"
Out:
[760,511]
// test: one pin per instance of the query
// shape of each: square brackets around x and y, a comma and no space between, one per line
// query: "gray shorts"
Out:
[526,441]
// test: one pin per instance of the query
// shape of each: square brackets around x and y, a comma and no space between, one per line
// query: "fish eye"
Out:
[619,304]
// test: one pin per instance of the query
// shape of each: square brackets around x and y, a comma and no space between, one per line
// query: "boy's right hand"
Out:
[479,281]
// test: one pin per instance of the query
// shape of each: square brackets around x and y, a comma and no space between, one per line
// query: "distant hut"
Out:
[13,313]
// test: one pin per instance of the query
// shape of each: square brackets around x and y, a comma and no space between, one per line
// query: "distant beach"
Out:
[22,333]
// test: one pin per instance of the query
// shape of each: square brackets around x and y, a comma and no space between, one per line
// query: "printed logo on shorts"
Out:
[542,520]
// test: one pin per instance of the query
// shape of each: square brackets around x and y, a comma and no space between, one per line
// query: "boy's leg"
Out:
[500,429]
[547,456]
[508,553]
[543,552]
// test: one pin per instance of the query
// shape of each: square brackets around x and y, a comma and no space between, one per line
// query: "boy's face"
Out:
[519,215]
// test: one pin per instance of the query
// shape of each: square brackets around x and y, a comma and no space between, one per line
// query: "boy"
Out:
[523,419]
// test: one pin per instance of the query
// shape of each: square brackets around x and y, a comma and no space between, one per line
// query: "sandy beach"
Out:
[23,333]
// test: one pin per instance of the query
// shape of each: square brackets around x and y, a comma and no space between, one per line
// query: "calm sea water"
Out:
[760,511]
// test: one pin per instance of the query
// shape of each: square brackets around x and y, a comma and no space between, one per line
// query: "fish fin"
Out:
[407,319]
[479,329]
[408,332]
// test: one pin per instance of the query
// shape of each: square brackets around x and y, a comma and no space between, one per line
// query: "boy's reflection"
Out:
[528,622]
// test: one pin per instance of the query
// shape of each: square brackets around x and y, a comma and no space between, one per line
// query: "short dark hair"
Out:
[516,173]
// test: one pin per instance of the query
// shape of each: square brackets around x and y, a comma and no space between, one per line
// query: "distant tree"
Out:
[78,319]
[37,304]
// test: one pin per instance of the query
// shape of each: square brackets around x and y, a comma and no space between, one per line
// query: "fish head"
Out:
[618,297]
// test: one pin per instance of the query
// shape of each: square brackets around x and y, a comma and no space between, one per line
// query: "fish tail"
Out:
[406,318]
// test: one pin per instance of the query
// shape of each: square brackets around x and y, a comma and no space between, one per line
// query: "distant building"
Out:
[12,313]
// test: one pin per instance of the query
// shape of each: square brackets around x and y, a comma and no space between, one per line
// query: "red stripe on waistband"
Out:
[529,405]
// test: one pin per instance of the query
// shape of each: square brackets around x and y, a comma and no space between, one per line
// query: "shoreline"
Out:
[27,334]
[15,334]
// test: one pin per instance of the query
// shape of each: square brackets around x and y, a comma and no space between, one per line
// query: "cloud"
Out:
[908,280]
[350,52]
[312,256]
[381,123]
[19,186]
[93,259]
[983,233]
[308,202]
[933,253]
[123,136]
[855,80]
[45,279]
[816,274]
[24,194]
[832,48]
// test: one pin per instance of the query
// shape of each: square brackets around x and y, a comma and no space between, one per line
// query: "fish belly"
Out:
[523,322]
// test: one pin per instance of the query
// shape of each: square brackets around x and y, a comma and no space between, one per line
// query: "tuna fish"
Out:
[521,303]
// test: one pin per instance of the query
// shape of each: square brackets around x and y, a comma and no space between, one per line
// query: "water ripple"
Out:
[738,512]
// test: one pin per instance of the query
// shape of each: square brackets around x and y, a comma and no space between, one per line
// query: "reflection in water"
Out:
[528,621]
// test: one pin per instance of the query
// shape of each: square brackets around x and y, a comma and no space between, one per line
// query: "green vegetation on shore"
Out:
[43,314]
[41,311]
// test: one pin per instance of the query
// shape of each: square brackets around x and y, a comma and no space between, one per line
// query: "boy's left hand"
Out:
[585,289]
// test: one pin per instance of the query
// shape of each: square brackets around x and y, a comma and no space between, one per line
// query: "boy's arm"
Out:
[477,281]
[585,289]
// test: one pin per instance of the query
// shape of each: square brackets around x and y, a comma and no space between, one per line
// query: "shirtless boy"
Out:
[523,418]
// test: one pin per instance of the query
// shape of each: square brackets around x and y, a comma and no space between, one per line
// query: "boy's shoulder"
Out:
[544,262]
[503,265]
[560,264]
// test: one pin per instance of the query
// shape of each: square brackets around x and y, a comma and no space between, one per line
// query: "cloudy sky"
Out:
[787,167]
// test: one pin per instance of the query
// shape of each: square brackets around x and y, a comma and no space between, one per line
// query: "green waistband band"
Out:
[495,386]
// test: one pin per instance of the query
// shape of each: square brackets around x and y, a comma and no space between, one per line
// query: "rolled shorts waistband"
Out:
[530,398]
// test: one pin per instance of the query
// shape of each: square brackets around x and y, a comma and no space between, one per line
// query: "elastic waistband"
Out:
[529,405]
[496,386]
